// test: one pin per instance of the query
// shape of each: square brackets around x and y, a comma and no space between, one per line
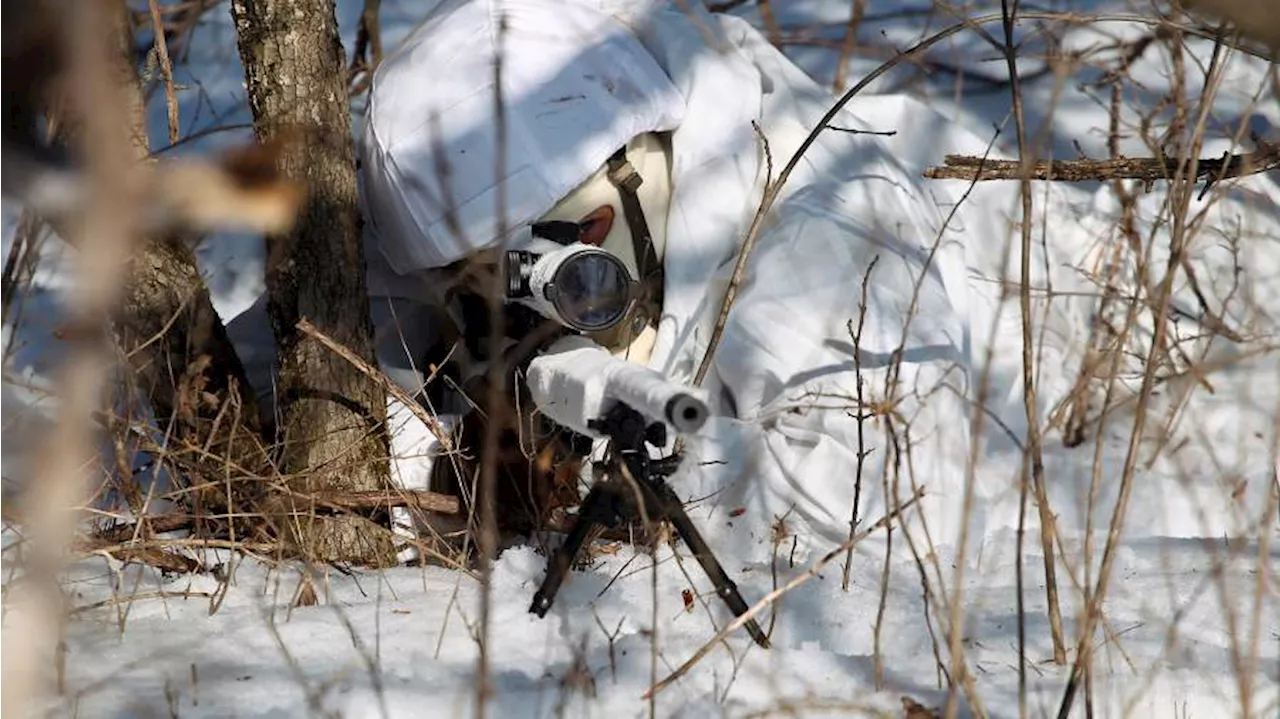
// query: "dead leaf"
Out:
[913,709]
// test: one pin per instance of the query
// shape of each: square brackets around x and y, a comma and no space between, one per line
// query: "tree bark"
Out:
[334,418]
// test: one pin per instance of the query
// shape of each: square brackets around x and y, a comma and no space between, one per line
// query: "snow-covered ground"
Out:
[1192,615]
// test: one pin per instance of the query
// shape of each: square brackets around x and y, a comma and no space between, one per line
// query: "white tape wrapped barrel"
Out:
[577,381]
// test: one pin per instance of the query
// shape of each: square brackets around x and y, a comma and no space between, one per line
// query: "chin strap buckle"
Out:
[622,174]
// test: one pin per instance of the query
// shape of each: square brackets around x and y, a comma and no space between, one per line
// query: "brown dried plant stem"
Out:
[306,327]
[1178,204]
[166,69]
[771,28]
[416,498]
[105,233]
[857,10]
[1034,440]
[179,22]
[496,403]
[855,333]
[367,54]
[1147,169]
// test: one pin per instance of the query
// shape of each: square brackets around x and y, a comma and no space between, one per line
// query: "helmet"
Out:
[577,86]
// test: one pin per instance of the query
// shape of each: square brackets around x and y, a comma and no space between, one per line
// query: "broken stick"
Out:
[1148,169]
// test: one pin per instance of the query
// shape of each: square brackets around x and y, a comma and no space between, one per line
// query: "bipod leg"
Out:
[672,509]
[599,507]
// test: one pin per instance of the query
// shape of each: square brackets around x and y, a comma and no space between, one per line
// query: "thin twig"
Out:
[856,131]
[306,327]
[157,594]
[856,335]
[416,498]
[126,535]
[166,70]
[1033,464]
[495,401]
[155,524]
[848,43]
[367,54]
[770,22]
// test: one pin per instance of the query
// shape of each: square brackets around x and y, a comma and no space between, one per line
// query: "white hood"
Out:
[576,87]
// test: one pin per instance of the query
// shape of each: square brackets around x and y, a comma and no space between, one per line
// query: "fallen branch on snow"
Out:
[413,498]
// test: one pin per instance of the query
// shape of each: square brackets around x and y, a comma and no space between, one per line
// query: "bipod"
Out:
[630,474]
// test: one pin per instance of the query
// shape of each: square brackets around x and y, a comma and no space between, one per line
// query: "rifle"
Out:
[583,387]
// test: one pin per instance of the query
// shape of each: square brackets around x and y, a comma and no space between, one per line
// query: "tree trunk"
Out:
[334,418]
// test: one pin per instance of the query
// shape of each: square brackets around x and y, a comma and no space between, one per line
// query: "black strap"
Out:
[649,267]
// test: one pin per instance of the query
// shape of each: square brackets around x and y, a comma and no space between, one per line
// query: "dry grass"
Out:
[1136,335]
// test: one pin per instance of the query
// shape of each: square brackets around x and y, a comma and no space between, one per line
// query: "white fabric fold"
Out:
[576,87]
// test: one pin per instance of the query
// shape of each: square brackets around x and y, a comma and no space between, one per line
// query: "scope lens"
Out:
[592,291]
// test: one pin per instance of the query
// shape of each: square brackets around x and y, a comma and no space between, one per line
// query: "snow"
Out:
[1193,593]
[407,630]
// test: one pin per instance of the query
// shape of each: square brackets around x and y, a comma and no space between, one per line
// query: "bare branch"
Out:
[1147,169]
[306,327]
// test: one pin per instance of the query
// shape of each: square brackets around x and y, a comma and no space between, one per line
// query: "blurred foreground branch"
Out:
[1257,20]
[137,298]
[105,229]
